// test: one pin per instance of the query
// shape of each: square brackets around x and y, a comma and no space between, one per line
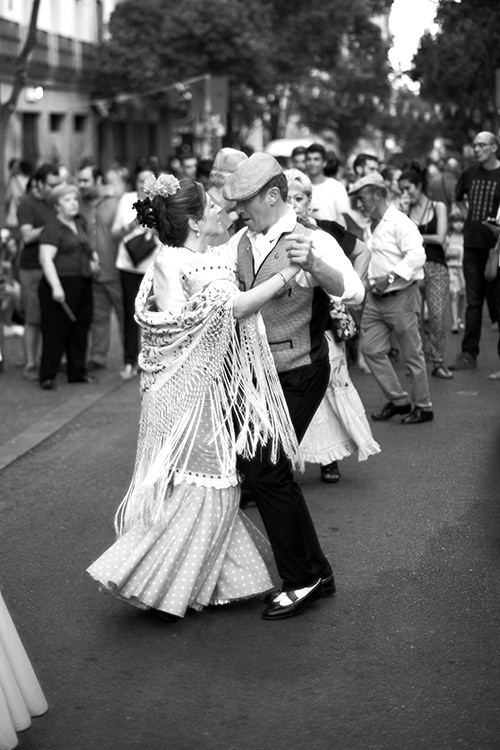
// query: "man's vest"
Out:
[296,318]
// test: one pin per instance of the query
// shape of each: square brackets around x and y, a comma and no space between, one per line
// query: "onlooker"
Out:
[431,218]
[136,251]
[329,199]
[189,165]
[393,302]
[65,290]
[33,214]
[98,205]
[480,185]
[454,252]
[19,174]
[339,426]
[365,164]
[203,172]
[298,157]
[225,162]
[442,186]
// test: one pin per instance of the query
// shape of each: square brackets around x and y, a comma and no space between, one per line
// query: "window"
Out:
[56,123]
[79,123]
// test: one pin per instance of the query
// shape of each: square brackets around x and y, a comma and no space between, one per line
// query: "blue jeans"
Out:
[475,289]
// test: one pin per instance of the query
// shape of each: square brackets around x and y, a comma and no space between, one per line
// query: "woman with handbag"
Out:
[136,252]
[339,426]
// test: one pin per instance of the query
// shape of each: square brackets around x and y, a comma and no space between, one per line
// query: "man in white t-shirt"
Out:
[329,196]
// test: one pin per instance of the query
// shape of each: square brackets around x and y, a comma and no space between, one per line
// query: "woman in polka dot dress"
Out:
[209,392]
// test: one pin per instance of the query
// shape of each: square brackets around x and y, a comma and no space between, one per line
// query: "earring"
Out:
[197,232]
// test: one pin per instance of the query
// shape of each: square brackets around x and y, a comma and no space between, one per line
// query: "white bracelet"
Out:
[285,280]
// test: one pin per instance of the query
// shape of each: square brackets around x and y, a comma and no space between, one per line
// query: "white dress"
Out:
[195,547]
[339,426]
[21,696]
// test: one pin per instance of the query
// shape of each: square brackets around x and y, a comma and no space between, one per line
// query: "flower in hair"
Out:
[165,185]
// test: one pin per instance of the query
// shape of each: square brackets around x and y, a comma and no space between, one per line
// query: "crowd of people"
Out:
[239,288]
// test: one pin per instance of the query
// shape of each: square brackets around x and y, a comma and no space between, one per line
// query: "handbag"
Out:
[343,325]
[140,246]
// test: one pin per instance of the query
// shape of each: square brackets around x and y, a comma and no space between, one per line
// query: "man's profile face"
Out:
[370,166]
[366,202]
[255,212]
[484,147]
[45,187]
[87,183]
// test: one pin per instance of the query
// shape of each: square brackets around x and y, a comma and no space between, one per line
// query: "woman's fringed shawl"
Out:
[188,361]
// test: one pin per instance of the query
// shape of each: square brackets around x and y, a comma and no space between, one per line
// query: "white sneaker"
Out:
[494,375]
[128,372]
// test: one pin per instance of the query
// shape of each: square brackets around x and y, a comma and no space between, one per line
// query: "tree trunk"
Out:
[8,107]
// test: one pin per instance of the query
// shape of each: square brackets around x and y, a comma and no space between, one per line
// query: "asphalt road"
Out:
[406,656]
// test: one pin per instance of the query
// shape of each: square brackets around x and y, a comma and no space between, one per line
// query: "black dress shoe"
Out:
[389,410]
[330,473]
[89,379]
[327,585]
[165,615]
[289,603]
[48,384]
[418,415]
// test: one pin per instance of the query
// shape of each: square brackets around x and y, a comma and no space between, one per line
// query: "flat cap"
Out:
[251,176]
[374,179]
[227,159]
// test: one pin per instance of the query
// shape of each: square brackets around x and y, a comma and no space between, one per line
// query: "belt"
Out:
[393,293]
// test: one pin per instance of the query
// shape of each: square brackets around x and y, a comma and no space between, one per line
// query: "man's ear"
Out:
[273,194]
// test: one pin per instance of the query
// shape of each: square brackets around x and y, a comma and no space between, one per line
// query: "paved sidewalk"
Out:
[29,415]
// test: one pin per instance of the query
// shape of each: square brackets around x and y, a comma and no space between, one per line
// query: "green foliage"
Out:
[269,49]
[456,67]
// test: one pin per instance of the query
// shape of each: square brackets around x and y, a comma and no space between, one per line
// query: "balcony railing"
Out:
[55,57]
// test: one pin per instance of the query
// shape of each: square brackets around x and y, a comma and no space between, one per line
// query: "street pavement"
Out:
[406,656]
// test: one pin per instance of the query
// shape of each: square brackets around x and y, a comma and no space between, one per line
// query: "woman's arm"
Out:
[442,226]
[246,303]
[47,254]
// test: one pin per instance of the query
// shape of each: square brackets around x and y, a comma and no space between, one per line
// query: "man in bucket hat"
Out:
[295,323]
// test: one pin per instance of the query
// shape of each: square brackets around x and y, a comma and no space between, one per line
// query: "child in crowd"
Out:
[454,252]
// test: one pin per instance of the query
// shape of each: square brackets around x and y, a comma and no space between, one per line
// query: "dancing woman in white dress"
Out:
[209,391]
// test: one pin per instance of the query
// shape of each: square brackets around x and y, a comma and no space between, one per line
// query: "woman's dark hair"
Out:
[415,174]
[169,216]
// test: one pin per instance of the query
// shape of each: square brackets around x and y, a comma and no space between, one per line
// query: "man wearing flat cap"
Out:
[225,162]
[295,322]
[393,302]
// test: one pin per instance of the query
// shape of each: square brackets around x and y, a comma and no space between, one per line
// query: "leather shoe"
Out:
[327,584]
[418,415]
[292,603]
[330,473]
[440,371]
[389,410]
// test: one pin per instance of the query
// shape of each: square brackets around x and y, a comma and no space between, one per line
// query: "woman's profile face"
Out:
[210,224]
[299,200]
[410,191]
